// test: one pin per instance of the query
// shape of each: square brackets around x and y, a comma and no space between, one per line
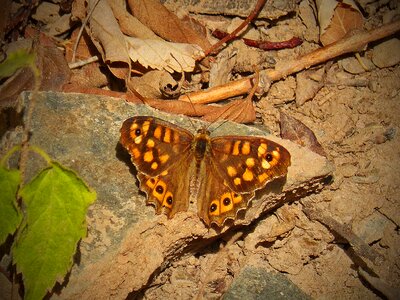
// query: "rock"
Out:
[258,283]
[371,228]
[127,243]
[386,54]
[353,66]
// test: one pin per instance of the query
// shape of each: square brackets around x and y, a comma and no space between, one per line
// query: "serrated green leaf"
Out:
[56,204]
[16,60]
[10,215]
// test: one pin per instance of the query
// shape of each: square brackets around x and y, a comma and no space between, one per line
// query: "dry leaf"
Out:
[152,83]
[130,25]
[166,24]
[50,62]
[239,111]
[336,19]
[294,130]
[308,85]
[108,39]
[158,54]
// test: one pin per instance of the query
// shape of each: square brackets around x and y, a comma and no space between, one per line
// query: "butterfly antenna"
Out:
[194,110]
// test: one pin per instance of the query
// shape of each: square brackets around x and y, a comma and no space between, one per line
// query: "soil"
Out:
[358,129]
[357,125]
[340,243]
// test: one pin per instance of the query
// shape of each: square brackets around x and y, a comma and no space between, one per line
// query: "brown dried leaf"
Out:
[306,85]
[50,62]
[108,39]
[294,130]
[159,54]
[153,83]
[130,25]
[166,24]
[337,19]
[240,111]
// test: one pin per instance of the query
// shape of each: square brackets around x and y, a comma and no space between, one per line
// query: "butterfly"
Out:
[221,173]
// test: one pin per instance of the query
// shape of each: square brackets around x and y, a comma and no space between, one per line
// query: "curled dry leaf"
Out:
[108,39]
[130,25]
[158,54]
[166,24]
[337,18]
[308,85]
[294,130]
[240,111]
[153,83]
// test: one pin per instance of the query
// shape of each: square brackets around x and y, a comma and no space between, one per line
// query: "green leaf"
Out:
[10,215]
[16,60]
[56,204]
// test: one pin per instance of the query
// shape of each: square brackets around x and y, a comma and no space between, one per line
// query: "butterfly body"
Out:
[220,173]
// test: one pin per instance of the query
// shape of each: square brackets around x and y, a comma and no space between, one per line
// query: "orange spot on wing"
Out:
[246,148]
[235,150]
[248,175]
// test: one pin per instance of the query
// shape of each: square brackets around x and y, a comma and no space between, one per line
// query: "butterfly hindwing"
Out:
[164,195]
[217,202]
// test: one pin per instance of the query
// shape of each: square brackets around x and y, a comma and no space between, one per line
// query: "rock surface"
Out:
[127,244]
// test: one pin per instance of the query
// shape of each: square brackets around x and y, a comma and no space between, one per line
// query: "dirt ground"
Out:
[340,243]
[356,119]
[358,128]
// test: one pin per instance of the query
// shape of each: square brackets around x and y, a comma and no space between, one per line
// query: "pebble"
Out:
[386,54]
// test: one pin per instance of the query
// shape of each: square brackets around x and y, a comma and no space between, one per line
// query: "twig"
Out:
[264,45]
[81,63]
[260,4]
[360,247]
[352,43]
[349,44]
[218,93]
[81,30]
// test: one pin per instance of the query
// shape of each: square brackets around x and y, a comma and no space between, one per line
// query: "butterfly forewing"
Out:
[248,163]
[154,145]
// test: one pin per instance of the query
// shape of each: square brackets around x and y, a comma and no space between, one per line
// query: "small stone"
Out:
[348,170]
[386,54]
[372,227]
[373,86]
[258,283]
[354,66]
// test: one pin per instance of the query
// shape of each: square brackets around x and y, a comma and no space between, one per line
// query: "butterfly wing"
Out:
[217,201]
[237,167]
[157,147]
[248,163]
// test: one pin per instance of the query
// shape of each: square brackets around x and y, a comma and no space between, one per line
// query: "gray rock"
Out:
[127,244]
[386,54]
[257,283]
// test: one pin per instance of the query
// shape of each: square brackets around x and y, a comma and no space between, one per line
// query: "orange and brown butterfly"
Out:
[220,173]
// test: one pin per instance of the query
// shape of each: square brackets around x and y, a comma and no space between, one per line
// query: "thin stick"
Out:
[81,30]
[349,44]
[260,4]
[353,43]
